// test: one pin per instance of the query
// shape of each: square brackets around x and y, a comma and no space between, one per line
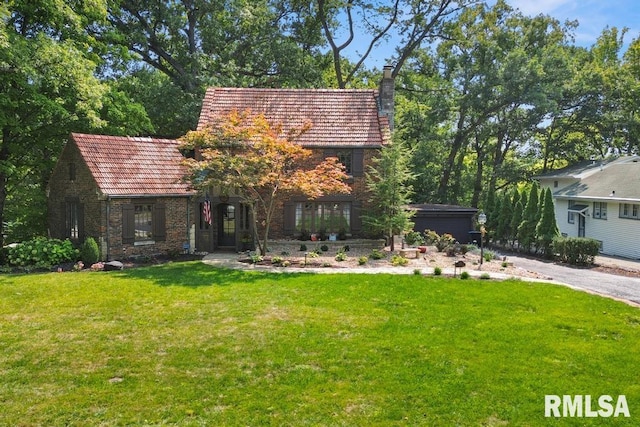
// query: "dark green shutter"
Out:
[128,224]
[356,217]
[357,162]
[159,223]
[81,235]
[289,218]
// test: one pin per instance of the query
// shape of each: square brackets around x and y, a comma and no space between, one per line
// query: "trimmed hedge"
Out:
[576,250]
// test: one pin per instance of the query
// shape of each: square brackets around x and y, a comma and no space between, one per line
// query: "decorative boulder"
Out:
[113,265]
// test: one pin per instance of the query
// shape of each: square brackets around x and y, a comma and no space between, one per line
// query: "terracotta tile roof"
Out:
[133,166]
[340,117]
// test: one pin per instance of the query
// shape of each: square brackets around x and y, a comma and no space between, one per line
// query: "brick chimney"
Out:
[386,93]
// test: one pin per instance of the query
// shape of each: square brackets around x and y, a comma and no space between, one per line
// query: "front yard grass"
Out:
[188,344]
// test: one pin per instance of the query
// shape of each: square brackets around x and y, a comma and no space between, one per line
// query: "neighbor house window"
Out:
[600,210]
[630,211]
[571,217]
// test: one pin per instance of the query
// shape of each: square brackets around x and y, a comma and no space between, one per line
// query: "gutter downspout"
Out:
[107,226]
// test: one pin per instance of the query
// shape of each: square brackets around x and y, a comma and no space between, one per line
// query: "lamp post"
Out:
[482,219]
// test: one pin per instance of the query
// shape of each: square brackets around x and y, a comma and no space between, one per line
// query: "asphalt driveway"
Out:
[618,287]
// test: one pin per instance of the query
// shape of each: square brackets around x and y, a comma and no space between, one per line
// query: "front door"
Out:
[581,225]
[226,225]
[204,232]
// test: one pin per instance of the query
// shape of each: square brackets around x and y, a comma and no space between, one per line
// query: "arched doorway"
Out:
[226,225]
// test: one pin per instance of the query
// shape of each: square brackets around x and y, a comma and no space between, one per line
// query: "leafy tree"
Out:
[388,183]
[244,154]
[48,88]
[547,229]
[502,73]
[415,22]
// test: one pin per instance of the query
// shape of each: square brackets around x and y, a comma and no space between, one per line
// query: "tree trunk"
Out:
[4,178]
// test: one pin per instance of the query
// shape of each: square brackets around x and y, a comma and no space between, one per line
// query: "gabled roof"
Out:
[339,117]
[133,166]
[578,170]
[617,180]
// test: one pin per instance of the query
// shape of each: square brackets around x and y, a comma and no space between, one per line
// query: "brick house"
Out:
[348,124]
[127,192]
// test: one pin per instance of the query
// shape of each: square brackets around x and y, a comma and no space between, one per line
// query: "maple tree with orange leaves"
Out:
[243,154]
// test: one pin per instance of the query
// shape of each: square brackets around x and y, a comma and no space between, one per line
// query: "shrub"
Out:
[303,247]
[464,275]
[417,272]
[437,271]
[489,255]
[256,258]
[277,260]
[414,238]
[363,260]
[576,250]
[324,248]
[485,276]
[376,254]
[89,251]
[42,253]
[341,256]
[399,261]
[441,242]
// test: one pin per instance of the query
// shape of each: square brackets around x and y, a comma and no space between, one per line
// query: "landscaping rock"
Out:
[113,265]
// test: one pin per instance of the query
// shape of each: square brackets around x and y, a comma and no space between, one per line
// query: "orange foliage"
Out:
[243,154]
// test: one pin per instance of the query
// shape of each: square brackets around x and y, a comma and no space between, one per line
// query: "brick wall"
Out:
[82,189]
[358,186]
[176,220]
[95,207]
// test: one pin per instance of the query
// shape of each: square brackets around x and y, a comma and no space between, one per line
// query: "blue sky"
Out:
[593,16]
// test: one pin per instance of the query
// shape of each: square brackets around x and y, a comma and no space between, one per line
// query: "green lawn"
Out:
[187,344]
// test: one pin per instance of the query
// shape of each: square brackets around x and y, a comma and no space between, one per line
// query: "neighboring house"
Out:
[600,200]
[127,193]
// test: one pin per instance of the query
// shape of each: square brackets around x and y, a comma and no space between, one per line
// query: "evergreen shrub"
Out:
[576,250]
[89,251]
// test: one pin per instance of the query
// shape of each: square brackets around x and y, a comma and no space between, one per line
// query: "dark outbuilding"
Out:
[455,220]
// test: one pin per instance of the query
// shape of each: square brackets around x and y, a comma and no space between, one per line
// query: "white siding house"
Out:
[599,200]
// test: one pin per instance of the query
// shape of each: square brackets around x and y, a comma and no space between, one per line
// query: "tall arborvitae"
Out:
[518,212]
[489,210]
[493,219]
[547,229]
[504,222]
[530,218]
[516,216]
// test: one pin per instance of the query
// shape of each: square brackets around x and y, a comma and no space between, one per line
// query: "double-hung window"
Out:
[143,222]
[600,210]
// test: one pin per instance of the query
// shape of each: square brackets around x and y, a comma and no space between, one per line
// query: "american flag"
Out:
[206,210]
